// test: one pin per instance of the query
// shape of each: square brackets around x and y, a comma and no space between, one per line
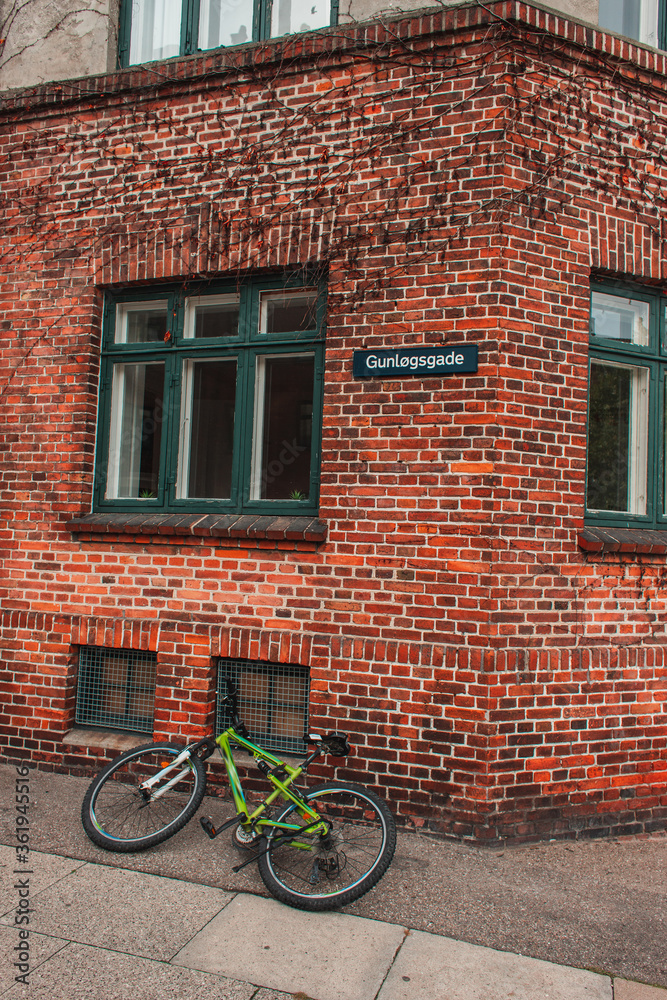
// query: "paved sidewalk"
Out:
[126,935]
[449,921]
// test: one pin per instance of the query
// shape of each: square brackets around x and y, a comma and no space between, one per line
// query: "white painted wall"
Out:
[361,10]
[55,40]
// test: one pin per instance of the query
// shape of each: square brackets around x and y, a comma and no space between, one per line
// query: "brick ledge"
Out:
[638,541]
[392,27]
[253,527]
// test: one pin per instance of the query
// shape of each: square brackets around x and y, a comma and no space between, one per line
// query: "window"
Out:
[626,409]
[643,20]
[211,400]
[273,701]
[116,689]
[161,29]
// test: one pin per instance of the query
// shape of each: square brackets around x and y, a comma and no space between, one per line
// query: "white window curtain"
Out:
[156,30]
[225,22]
[617,438]
[291,16]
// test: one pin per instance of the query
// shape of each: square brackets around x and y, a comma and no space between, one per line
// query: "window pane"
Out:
[137,412]
[288,312]
[213,316]
[156,30]
[664,445]
[289,16]
[141,322]
[285,388]
[207,434]
[225,22]
[617,429]
[616,318]
[634,18]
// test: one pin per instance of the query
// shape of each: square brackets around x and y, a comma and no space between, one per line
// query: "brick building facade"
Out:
[465,569]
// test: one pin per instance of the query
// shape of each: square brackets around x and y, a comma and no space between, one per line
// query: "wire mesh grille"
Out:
[273,701]
[116,688]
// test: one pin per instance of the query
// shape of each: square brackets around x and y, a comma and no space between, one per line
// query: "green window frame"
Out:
[627,433]
[162,29]
[211,398]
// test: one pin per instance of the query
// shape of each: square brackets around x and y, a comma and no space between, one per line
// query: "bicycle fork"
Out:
[146,787]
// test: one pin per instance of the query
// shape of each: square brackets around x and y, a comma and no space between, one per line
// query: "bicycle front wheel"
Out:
[120,814]
[317,870]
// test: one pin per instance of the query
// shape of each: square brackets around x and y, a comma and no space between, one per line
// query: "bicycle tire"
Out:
[117,817]
[333,871]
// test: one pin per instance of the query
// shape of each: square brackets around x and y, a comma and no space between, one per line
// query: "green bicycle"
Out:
[317,849]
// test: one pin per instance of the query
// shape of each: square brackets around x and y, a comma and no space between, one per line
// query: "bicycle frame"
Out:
[317,847]
[278,772]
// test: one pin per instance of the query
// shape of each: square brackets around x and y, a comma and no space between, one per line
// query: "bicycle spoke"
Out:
[121,815]
[341,864]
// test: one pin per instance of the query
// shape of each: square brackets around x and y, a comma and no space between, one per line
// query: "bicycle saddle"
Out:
[334,744]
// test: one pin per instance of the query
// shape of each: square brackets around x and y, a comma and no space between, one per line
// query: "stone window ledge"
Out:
[634,541]
[263,531]
[104,739]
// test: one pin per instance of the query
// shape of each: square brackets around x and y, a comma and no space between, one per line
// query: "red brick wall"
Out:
[460,177]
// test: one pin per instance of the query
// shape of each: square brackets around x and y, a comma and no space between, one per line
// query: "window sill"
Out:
[632,541]
[105,739]
[258,531]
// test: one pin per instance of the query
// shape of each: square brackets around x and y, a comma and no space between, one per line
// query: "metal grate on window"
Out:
[273,701]
[116,688]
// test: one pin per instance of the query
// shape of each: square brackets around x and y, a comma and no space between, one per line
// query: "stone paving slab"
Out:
[625,990]
[327,956]
[42,871]
[101,931]
[124,910]
[40,949]
[437,968]
[272,995]
[79,972]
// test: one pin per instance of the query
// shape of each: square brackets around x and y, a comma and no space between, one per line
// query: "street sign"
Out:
[398,362]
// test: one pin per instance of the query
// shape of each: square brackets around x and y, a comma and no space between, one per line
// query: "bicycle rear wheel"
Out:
[316,872]
[119,815]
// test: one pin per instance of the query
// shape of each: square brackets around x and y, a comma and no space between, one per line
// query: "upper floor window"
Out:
[211,402]
[161,29]
[627,411]
[644,20]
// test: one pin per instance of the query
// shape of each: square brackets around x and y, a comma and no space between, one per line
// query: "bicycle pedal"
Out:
[207,826]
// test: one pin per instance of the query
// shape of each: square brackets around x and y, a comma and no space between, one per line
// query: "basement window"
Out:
[273,701]
[116,689]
